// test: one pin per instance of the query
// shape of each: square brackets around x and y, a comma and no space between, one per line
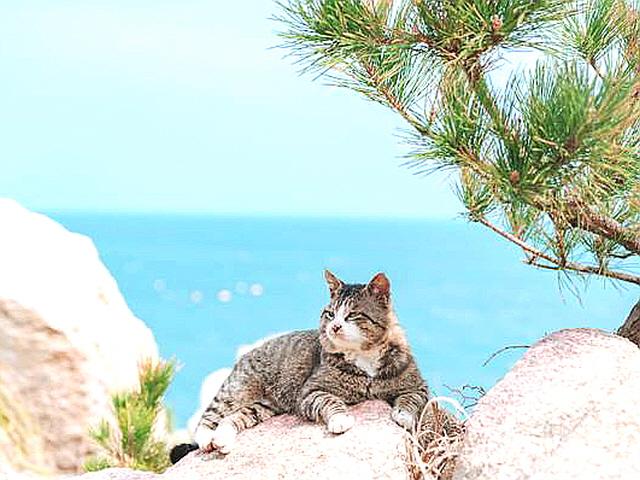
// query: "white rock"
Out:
[567,410]
[68,338]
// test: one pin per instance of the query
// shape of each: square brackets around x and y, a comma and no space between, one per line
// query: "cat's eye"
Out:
[328,314]
[352,317]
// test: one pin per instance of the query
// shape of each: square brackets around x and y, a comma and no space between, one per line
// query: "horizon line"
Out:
[253,215]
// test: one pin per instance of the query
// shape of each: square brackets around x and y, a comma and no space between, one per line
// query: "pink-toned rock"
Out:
[287,447]
[568,410]
[118,474]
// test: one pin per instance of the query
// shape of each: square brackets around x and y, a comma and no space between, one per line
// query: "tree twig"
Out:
[623,256]
[503,349]
[576,267]
[594,65]
[468,400]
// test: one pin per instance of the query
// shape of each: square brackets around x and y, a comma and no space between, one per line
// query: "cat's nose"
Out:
[336,327]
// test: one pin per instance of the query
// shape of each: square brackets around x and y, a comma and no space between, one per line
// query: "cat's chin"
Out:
[337,345]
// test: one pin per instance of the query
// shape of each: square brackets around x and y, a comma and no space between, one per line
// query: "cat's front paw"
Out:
[222,439]
[340,423]
[403,418]
[203,437]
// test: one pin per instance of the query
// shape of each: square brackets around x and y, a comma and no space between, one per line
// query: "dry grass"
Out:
[434,445]
[21,441]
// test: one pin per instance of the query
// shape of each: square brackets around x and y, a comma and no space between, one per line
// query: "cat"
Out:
[359,352]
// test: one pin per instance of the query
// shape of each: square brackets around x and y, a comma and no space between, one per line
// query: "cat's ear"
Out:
[334,282]
[380,287]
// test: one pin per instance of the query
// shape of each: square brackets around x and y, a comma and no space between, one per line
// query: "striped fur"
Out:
[359,352]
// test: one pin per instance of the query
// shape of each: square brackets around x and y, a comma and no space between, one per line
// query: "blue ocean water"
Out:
[206,285]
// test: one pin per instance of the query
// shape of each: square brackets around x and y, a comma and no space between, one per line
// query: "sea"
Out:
[206,285]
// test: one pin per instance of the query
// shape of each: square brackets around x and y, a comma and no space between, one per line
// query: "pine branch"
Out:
[557,264]
[583,217]
[571,126]
[477,80]
[393,102]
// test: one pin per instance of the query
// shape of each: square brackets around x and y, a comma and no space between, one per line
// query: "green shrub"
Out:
[131,441]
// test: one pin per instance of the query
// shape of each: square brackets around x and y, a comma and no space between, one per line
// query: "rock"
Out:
[117,474]
[21,439]
[567,410]
[287,447]
[68,338]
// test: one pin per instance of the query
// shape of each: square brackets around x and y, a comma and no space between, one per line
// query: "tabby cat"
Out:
[358,353]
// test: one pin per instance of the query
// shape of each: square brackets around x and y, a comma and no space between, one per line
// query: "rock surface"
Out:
[68,338]
[287,447]
[567,410]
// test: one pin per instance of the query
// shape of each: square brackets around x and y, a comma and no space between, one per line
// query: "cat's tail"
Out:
[181,450]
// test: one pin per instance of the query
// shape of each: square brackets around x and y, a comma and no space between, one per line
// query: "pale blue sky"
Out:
[182,106]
